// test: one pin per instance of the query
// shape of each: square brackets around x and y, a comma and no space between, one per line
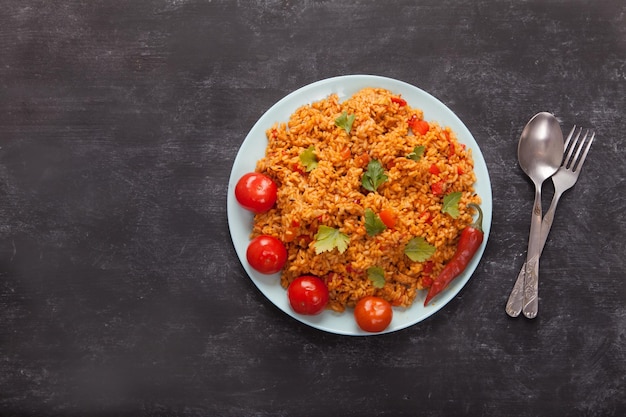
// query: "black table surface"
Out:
[120,289]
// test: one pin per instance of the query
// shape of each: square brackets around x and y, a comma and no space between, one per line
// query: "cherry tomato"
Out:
[256,192]
[307,295]
[373,314]
[266,254]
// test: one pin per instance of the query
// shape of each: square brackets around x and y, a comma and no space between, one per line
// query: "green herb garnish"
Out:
[418,250]
[345,121]
[328,238]
[374,176]
[451,204]
[373,224]
[309,159]
[377,275]
[417,153]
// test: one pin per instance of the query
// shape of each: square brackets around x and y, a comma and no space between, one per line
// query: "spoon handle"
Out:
[531,280]
[516,299]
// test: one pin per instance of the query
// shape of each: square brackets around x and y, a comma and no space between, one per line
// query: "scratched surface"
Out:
[121,293]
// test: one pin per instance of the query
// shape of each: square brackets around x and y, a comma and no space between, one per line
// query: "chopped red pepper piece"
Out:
[306,239]
[361,160]
[423,127]
[434,169]
[437,188]
[427,217]
[418,125]
[427,281]
[290,235]
[388,217]
[399,101]
[298,168]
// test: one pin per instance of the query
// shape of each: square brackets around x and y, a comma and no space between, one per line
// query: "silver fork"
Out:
[563,180]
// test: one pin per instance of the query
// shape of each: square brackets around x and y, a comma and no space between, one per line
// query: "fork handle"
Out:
[516,299]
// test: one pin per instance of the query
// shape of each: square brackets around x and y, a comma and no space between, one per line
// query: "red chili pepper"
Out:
[471,238]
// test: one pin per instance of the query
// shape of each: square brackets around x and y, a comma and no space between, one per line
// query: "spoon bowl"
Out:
[540,148]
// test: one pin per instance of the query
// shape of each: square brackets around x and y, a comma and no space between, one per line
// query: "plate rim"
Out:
[319,90]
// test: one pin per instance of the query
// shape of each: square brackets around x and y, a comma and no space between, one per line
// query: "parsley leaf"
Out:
[417,153]
[309,159]
[451,204]
[345,121]
[418,250]
[328,239]
[374,176]
[373,224]
[377,275]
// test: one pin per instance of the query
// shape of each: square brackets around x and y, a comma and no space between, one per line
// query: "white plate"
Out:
[253,148]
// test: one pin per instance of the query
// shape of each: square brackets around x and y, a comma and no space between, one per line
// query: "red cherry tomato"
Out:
[373,314]
[307,295]
[266,254]
[256,192]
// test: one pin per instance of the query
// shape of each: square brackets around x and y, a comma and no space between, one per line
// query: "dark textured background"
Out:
[120,291]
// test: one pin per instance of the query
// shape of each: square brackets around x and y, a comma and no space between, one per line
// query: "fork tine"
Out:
[569,137]
[567,161]
[566,144]
[578,148]
[579,162]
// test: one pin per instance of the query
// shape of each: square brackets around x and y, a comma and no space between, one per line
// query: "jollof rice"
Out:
[332,194]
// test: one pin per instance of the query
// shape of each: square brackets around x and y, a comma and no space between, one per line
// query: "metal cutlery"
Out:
[575,153]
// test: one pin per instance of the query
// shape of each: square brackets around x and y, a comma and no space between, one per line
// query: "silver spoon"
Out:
[540,152]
